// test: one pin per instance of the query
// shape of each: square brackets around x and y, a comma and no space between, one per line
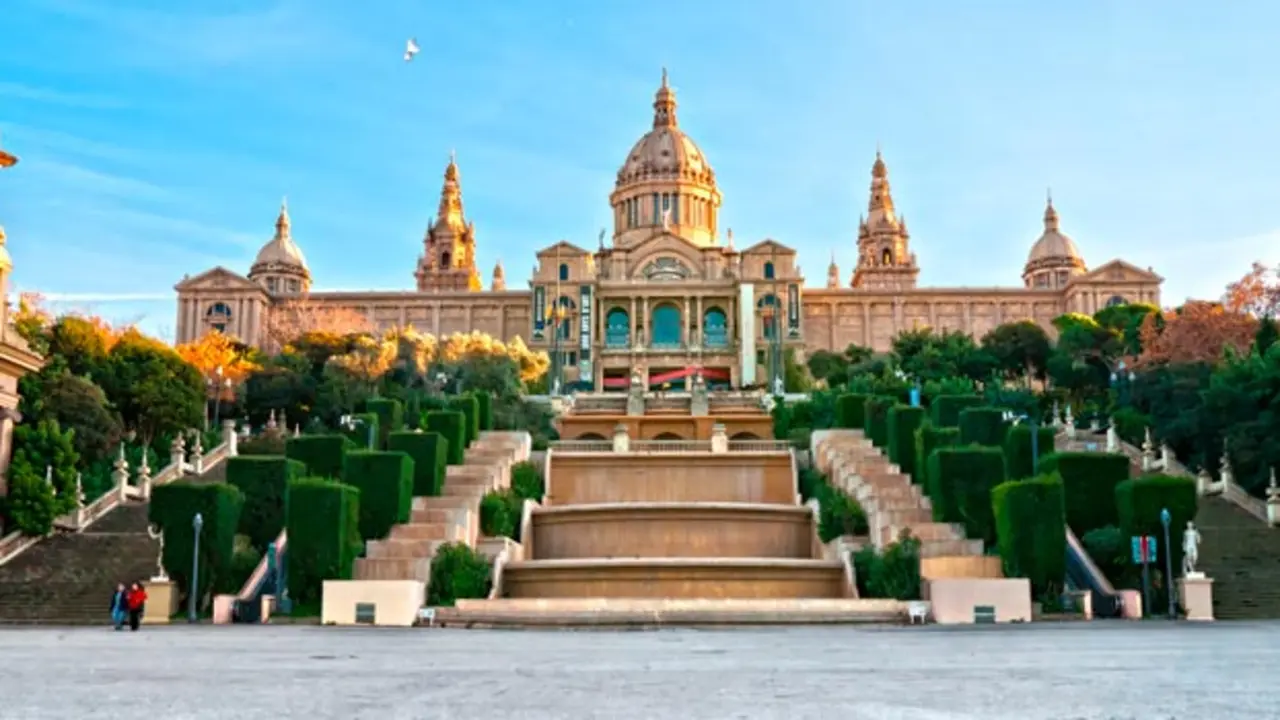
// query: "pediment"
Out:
[665,258]
[1119,271]
[564,249]
[768,246]
[219,278]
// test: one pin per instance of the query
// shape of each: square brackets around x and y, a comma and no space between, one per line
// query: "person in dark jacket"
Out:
[119,606]
[137,600]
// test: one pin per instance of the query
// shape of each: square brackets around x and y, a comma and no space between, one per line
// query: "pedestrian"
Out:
[119,606]
[137,600]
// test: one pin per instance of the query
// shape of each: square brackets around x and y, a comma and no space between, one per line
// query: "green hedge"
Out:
[962,479]
[526,481]
[1140,500]
[945,409]
[1031,527]
[458,573]
[876,417]
[430,454]
[982,426]
[321,454]
[498,516]
[451,425]
[385,482]
[173,507]
[470,409]
[390,414]
[928,439]
[264,482]
[358,431]
[1089,481]
[484,408]
[851,411]
[839,514]
[1017,450]
[904,422]
[324,535]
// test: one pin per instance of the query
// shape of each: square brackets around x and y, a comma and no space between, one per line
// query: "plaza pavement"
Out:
[1111,671]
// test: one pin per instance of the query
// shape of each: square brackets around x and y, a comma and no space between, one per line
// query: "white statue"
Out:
[778,387]
[1190,550]
[155,533]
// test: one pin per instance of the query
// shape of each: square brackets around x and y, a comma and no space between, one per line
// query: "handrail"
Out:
[250,589]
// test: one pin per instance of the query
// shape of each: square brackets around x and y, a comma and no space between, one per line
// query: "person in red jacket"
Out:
[137,599]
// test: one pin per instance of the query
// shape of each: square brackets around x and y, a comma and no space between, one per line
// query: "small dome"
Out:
[665,152]
[1053,244]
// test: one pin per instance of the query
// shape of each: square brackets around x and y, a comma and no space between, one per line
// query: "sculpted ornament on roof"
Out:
[666,268]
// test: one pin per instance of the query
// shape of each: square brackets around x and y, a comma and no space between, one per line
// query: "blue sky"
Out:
[157,138]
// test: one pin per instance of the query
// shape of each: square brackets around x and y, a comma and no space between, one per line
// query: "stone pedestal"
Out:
[162,601]
[1196,592]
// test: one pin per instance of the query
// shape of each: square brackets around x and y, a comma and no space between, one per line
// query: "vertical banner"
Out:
[793,310]
[539,311]
[585,320]
[747,334]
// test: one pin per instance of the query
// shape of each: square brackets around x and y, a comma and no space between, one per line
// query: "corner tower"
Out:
[885,260]
[665,183]
[448,261]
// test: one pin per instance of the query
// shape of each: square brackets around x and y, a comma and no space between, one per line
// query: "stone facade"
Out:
[669,291]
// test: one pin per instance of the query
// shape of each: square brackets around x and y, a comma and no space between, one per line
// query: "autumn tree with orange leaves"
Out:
[223,362]
[1198,332]
[1257,293]
[293,319]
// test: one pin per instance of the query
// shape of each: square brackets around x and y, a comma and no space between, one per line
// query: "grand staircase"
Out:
[1242,555]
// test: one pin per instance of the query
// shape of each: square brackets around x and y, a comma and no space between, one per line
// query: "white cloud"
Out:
[57,97]
[90,297]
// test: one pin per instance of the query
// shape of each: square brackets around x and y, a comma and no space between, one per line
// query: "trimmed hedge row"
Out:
[458,573]
[1140,500]
[962,479]
[982,426]
[876,417]
[264,482]
[430,454]
[904,422]
[321,454]
[324,535]
[1031,527]
[851,411]
[1019,460]
[945,409]
[173,509]
[385,482]
[1089,481]
[390,414]
[470,409]
[484,408]
[362,424]
[928,439]
[452,426]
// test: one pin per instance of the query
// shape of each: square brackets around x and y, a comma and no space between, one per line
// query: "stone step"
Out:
[393,569]
[431,516]
[425,531]
[937,567]
[906,516]
[946,548]
[446,502]
[401,549]
[923,531]
[455,489]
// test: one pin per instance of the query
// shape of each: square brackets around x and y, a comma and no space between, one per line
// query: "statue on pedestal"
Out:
[155,533]
[1190,550]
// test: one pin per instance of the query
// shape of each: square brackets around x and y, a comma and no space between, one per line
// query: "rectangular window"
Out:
[657,214]
[271,284]
[675,209]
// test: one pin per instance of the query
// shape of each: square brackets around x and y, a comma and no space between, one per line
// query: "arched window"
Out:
[715,328]
[564,271]
[886,257]
[446,260]
[617,329]
[218,316]
[768,271]
[666,326]
[1116,300]
[770,310]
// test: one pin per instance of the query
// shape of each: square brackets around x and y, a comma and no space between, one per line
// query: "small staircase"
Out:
[1242,556]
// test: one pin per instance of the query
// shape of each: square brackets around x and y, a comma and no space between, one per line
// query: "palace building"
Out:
[670,292]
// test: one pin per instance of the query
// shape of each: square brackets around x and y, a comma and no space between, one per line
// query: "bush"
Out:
[470,409]
[1140,500]
[809,483]
[244,560]
[30,505]
[458,573]
[876,417]
[359,429]
[526,481]
[928,439]
[1089,481]
[1019,461]
[272,444]
[893,573]
[839,514]
[496,519]
[324,535]
[945,409]
[800,438]
[321,454]
[264,481]
[1109,549]
[1131,425]
[385,482]
[389,414]
[484,409]
[904,421]
[173,507]
[1031,527]
[962,480]
[851,411]
[430,454]
[982,426]
[451,425]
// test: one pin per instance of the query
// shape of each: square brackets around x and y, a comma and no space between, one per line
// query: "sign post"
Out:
[1145,553]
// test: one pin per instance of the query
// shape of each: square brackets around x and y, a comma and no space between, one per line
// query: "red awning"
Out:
[721,374]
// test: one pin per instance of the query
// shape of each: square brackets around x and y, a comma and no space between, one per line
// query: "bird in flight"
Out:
[410,49]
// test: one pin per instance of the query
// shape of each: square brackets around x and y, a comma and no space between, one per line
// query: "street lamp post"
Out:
[1122,383]
[218,386]
[351,423]
[1165,519]
[193,595]
[556,316]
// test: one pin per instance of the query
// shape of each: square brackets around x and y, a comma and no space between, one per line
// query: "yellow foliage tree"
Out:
[369,358]
[218,358]
[456,348]
[415,351]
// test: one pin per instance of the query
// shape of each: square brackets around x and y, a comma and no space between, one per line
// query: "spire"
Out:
[450,211]
[833,273]
[664,105]
[1050,214]
[282,221]
[499,278]
[881,199]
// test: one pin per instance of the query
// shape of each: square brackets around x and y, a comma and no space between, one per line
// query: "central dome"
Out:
[665,152]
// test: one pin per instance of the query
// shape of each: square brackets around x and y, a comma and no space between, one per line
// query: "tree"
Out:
[1126,320]
[829,366]
[30,321]
[219,358]
[80,407]
[282,384]
[1018,349]
[1267,334]
[1196,332]
[47,447]
[30,505]
[293,319]
[1256,294]
[82,341]
[368,360]
[927,355]
[156,393]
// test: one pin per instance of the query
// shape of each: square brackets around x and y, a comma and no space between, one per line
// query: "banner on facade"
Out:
[793,310]
[539,311]
[584,326]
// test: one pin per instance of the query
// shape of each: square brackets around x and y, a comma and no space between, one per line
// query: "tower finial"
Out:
[664,104]
[282,220]
[1050,213]
[664,78]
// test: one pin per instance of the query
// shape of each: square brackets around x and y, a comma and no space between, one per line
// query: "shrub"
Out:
[30,505]
[876,417]
[1140,500]
[945,409]
[470,409]
[244,560]
[1109,549]
[484,409]
[272,444]
[385,482]
[1019,460]
[430,454]
[264,481]
[496,518]
[800,438]
[904,421]
[928,439]
[851,411]
[173,508]
[839,514]
[962,480]
[451,425]
[982,426]
[809,483]
[390,415]
[324,535]
[526,481]
[321,454]
[1031,527]
[1089,482]
[362,428]
[458,573]
[893,573]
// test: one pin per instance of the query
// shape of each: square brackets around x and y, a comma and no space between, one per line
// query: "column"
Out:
[632,318]
[687,320]
[968,317]
[697,321]
[933,315]
[866,324]
[831,327]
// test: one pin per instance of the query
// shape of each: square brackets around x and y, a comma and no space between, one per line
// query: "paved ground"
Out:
[1105,671]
